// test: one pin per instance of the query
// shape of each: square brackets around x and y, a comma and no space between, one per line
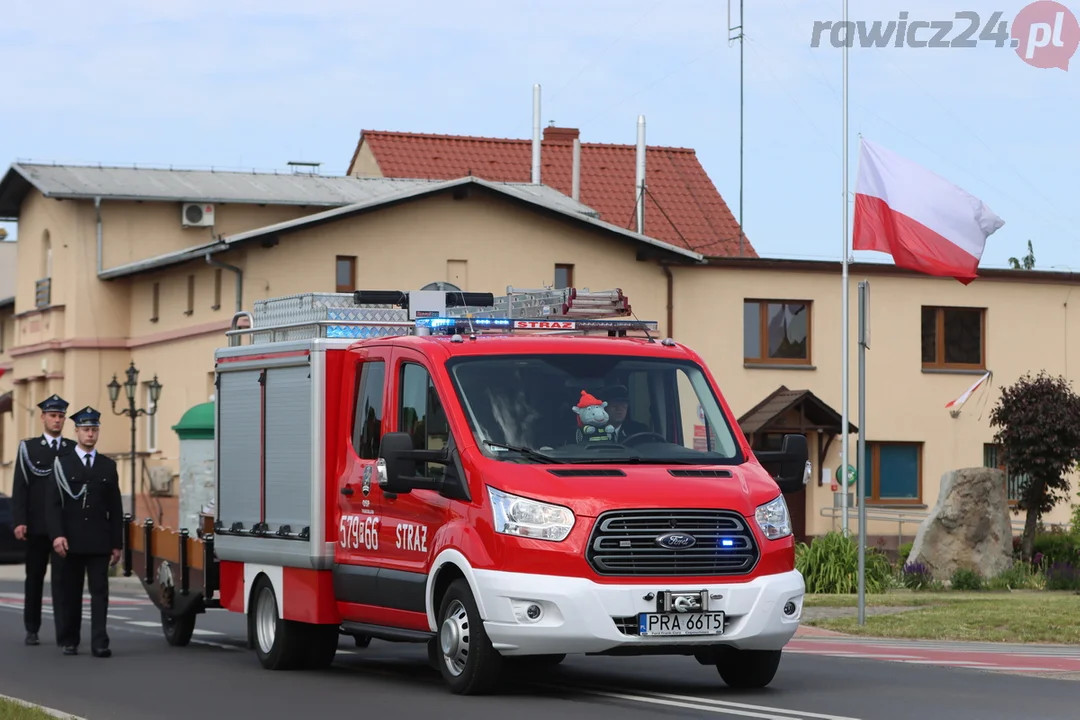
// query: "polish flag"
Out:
[967,393]
[925,222]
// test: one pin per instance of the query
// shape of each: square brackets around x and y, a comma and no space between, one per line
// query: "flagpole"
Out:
[844,325]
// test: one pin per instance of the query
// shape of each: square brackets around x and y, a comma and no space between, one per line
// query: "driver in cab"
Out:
[618,407]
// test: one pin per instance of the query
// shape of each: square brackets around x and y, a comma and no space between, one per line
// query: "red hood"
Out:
[643,486]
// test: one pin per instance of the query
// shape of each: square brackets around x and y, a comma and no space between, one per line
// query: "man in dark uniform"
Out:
[87,528]
[30,495]
[618,407]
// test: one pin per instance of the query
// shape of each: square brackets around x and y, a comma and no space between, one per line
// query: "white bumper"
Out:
[579,615]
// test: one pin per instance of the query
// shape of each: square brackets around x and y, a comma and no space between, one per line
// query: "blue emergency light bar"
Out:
[464,325]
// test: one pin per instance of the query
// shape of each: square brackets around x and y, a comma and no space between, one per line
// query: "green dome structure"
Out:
[197,423]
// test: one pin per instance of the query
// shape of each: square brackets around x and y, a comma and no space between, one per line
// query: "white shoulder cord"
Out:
[28,467]
[62,481]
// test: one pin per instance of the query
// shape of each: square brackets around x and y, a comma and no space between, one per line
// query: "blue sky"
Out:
[246,84]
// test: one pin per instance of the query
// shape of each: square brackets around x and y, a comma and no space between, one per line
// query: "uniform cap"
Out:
[54,404]
[87,417]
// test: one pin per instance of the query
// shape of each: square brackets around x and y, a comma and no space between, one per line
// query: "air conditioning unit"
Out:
[197,215]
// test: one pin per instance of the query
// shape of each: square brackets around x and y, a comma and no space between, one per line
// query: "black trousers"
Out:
[95,570]
[39,555]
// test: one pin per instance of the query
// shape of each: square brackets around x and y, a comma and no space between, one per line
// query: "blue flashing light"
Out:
[727,543]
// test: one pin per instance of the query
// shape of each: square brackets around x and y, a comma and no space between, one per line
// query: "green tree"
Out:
[1028,262]
[1038,421]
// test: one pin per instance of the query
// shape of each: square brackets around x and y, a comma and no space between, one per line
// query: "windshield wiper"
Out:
[527,452]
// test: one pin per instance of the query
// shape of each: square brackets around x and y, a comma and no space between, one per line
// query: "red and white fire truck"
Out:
[508,480]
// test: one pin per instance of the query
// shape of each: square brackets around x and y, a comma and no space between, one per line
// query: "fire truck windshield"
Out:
[592,409]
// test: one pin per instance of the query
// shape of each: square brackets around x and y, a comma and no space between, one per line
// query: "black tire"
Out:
[178,630]
[322,646]
[463,653]
[279,643]
[748,669]
[534,662]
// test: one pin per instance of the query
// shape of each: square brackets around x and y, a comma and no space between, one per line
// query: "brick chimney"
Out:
[560,136]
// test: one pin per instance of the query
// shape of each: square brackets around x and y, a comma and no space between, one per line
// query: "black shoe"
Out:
[71,650]
[32,639]
[104,653]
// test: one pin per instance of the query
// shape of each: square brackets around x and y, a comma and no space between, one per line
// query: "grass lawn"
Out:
[10,710]
[1022,616]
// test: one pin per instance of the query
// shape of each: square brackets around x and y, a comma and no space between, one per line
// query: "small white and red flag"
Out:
[967,393]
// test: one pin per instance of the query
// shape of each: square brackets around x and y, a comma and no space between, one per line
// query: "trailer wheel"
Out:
[279,643]
[178,630]
[466,659]
[322,646]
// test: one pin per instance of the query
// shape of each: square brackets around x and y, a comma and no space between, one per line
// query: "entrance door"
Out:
[796,502]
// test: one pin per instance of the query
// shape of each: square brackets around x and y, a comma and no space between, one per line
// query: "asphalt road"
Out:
[216,677]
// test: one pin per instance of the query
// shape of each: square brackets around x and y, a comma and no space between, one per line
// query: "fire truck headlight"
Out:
[773,519]
[514,515]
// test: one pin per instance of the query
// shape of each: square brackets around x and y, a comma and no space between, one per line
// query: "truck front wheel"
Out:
[465,657]
[748,669]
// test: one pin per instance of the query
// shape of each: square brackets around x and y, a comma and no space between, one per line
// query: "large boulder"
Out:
[969,527]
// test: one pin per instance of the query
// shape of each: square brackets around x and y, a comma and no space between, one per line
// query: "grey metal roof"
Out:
[155,184]
[380,195]
[4,302]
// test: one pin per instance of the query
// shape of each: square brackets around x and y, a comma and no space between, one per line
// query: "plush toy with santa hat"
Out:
[593,420]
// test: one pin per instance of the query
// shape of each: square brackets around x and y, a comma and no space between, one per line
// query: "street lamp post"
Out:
[130,386]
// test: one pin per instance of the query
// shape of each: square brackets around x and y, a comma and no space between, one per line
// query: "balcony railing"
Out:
[43,293]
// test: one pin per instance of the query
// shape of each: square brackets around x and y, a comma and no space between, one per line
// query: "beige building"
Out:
[118,265]
[8,250]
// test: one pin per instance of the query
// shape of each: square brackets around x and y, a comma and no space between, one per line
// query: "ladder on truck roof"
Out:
[367,314]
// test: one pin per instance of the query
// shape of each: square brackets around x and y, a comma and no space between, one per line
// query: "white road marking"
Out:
[197,631]
[144,623]
[713,706]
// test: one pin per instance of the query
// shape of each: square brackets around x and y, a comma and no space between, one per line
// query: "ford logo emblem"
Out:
[676,541]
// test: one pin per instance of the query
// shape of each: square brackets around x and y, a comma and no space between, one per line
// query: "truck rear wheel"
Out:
[322,646]
[465,657]
[748,669]
[178,630]
[279,643]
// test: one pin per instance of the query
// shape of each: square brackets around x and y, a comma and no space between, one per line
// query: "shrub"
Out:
[1063,576]
[916,576]
[830,564]
[904,551]
[1021,576]
[1058,547]
[964,579]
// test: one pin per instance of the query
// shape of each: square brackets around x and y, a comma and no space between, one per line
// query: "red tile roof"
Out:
[683,208]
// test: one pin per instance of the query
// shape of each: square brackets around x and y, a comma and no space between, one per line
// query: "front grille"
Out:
[624,542]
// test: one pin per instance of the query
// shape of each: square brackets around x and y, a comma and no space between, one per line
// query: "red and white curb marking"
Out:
[1040,660]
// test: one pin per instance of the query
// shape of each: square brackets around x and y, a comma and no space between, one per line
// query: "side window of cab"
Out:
[421,414]
[367,420]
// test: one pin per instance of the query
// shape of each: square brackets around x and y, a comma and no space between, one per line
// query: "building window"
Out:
[151,422]
[776,332]
[367,422]
[954,338]
[1013,483]
[892,472]
[155,302]
[564,276]
[217,290]
[346,273]
[190,295]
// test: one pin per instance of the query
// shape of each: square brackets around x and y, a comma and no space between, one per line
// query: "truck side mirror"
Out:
[402,462]
[794,464]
